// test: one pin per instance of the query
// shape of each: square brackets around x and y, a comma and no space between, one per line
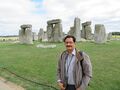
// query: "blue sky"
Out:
[14,13]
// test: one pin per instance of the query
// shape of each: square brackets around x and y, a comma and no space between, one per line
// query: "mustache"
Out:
[68,46]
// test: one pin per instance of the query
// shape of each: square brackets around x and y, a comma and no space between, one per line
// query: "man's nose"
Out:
[68,43]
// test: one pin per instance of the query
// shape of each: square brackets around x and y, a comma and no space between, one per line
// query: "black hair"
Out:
[70,36]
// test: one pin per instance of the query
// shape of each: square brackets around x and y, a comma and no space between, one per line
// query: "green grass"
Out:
[9,38]
[115,36]
[40,64]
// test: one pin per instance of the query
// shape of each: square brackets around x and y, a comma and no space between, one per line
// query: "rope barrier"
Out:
[50,86]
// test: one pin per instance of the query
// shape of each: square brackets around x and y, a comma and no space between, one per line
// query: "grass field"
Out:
[40,64]
[116,36]
[10,38]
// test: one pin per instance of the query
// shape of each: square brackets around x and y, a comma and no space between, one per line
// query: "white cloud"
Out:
[13,13]
[94,10]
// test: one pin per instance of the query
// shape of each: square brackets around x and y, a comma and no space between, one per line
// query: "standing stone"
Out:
[109,36]
[25,34]
[71,31]
[50,33]
[35,36]
[54,30]
[44,37]
[86,30]
[83,31]
[57,37]
[75,30]
[40,34]
[99,33]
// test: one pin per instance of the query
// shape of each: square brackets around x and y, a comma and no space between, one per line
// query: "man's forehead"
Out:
[69,38]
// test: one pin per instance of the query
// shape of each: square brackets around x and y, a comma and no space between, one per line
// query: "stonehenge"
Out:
[100,33]
[75,30]
[54,32]
[86,32]
[40,34]
[25,34]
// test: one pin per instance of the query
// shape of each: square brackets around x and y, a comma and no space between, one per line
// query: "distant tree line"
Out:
[115,33]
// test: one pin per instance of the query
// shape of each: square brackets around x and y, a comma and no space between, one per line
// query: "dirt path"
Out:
[6,85]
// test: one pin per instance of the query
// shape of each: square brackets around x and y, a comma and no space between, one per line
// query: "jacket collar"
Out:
[77,54]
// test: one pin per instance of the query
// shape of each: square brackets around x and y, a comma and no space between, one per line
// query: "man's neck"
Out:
[70,51]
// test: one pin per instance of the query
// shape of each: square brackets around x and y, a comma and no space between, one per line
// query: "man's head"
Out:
[69,41]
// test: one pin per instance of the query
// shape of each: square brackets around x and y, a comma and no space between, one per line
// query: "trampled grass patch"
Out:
[39,64]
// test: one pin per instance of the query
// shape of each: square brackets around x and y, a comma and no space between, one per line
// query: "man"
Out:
[71,73]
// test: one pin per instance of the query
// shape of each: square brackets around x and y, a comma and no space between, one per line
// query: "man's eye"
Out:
[69,42]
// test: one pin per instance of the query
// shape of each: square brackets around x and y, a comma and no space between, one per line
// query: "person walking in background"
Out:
[74,67]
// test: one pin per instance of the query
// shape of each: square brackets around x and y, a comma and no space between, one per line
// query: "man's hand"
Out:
[78,88]
[61,86]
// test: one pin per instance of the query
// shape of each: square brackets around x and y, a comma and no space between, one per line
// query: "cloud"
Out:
[17,12]
[98,11]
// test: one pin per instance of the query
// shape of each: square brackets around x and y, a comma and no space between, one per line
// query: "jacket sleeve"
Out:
[58,70]
[87,71]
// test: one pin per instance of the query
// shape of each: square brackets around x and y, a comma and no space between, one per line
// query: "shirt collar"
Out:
[73,52]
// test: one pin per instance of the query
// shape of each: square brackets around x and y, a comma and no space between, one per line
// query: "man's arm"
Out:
[58,70]
[87,70]
[60,84]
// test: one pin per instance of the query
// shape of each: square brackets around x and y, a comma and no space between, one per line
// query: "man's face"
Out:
[70,44]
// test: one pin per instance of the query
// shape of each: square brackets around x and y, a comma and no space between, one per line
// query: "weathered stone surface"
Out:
[50,33]
[75,30]
[44,37]
[99,33]
[35,36]
[71,31]
[54,30]
[25,34]
[57,33]
[86,30]
[26,26]
[55,21]
[109,36]
[40,34]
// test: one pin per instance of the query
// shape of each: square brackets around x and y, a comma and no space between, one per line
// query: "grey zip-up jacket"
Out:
[81,75]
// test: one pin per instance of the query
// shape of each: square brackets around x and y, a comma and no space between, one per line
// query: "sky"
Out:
[14,13]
